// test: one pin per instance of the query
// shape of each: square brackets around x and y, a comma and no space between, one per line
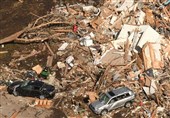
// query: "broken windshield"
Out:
[104,98]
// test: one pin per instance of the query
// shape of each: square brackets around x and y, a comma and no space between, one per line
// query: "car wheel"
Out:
[128,104]
[15,93]
[42,97]
[103,112]
[9,91]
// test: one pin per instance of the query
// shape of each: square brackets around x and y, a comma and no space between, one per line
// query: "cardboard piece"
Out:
[38,69]
[49,61]
[105,12]
[92,96]
[147,81]
[111,55]
[150,90]
[150,17]
[96,22]
[152,56]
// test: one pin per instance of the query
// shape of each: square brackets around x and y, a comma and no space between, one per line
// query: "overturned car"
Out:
[31,88]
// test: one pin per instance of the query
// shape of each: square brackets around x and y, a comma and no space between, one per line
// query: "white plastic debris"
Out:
[63,46]
[90,8]
[60,64]
[69,60]
[86,41]
[113,19]
[92,35]
[2,45]
[160,109]
[126,4]
[140,17]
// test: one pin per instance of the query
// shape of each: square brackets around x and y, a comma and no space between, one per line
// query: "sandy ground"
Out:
[10,105]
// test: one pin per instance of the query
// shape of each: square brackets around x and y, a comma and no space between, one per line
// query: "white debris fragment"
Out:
[60,65]
[63,46]
[126,4]
[86,41]
[113,19]
[137,35]
[69,60]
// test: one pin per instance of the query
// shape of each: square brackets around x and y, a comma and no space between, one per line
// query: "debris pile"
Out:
[89,50]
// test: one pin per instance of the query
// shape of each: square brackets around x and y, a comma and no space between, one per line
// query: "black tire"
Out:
[104,111]
[128,104]
[10,91]
[42,97]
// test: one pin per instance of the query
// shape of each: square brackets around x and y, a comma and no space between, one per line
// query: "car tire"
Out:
[42,97]
[15,93]
[128,104]
[10,91]
[103,112]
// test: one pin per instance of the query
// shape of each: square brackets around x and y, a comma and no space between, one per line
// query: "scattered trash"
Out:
[84,50]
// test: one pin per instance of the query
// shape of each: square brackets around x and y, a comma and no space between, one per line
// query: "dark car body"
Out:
[30,88]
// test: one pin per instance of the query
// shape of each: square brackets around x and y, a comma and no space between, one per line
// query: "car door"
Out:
[35,91]
[120,101]
[25,90]
[112,104]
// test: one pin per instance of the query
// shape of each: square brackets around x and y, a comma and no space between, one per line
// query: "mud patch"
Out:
[15,15]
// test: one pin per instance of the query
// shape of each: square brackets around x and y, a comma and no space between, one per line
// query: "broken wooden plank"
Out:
[49,48]
[49,61]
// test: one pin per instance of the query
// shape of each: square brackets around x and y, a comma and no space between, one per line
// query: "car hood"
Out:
[97,104]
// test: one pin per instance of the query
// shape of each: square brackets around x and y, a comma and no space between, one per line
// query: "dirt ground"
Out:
[11,104]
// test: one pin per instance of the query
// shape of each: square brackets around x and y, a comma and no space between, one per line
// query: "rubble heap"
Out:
[91,49]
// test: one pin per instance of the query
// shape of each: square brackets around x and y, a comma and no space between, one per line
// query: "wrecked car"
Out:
[113,99]
[30,88]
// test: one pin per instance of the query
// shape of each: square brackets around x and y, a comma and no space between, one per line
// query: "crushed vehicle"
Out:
[113,99]
[32,88]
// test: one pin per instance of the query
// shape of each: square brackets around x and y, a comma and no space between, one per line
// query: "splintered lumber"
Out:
[11,37]
[63,31]
[37,39]
[49,61]
[87,71]
[33,53]
[98,83]
[3,52]
[15,36]
[14,115]
[49,48]
[48,24]
[126,66]
[109,66]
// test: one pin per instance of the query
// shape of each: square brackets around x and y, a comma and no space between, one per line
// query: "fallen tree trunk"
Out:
[16,35]
[11,37]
